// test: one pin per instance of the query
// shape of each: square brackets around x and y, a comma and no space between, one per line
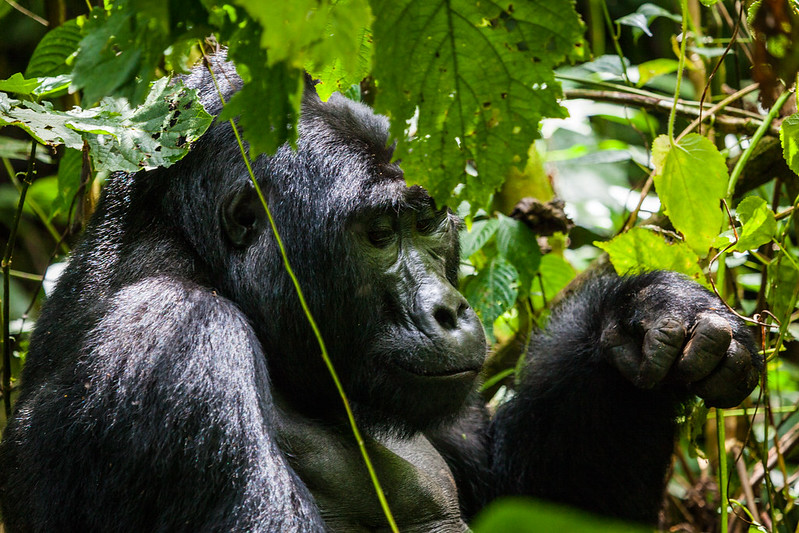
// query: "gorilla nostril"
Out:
[462,308]
[445,318]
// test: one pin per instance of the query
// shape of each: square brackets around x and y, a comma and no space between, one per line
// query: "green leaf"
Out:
[21,150]
[523,515]
[709,3]
[492,291]
[18,84]
[474,239]
[781,286]
[691,179]
[157,133]
[655,68]
[789,137]
[518,244]
[54,50]
[267,107]
[643,250]
[644,16]
[554,274]
[69,170]
[123,45]
[478,78]
[758,223]
[319,32]
[337,76]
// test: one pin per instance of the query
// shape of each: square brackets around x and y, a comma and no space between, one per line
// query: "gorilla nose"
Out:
[443,314]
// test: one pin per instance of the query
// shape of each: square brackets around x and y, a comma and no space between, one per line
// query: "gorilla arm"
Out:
[165,424]
[593,422]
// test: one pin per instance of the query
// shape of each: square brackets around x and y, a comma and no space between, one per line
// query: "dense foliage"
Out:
[695,100]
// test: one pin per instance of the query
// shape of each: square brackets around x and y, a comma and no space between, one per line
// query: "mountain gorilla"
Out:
[174,384]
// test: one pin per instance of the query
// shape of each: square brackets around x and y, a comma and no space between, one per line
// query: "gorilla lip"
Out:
[455,373]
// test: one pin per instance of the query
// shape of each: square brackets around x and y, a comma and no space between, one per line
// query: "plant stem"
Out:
[680,67]
[721,437]
[6,266]
[741,163]
[350,416]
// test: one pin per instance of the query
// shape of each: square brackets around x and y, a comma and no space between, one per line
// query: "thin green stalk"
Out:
[350,416]
[680,67]
[6,266]
[761,130]
[721,436]
[614,35]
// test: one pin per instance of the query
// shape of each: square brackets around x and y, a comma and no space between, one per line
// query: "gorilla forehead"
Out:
[345,158]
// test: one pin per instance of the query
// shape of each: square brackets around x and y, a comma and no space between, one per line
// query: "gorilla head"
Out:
[376,260]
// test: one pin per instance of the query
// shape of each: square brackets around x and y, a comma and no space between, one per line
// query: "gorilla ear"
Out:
[243,215]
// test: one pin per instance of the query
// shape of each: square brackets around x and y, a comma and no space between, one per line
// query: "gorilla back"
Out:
[174,384]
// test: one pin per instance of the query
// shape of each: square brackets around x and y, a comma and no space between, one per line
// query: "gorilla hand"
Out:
[681,335]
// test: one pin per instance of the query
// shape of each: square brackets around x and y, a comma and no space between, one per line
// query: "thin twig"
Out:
[6,266]
[741,124]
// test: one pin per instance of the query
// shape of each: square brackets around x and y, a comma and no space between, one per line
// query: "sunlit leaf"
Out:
[691,179]
[56,47]
[789,136]
[478,78]
[640,250]
[157,133]
[758,223]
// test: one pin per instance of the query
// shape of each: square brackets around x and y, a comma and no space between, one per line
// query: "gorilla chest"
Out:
[417,483]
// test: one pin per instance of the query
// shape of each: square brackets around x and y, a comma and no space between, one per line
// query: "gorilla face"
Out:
[426,343]
[378,266]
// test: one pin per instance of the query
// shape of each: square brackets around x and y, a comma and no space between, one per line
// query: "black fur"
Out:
[174,384]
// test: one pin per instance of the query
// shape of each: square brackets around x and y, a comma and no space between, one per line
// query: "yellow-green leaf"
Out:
[691,179]
[642,250]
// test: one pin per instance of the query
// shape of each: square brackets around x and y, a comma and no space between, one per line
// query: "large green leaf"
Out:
[642,250]
[156,133]
[518,244]
[476,237]
[554,274]
[691,179]
[56,47]
[783,280]
[789,136]
[523,515]
[493,291]
[477,77]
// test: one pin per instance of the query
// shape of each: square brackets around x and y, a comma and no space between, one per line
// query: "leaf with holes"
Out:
[157,133]
[475,80]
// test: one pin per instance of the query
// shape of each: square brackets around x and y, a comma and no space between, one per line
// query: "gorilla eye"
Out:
[426,224]
[381,237]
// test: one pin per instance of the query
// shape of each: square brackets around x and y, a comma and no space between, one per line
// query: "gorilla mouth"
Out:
[452,373]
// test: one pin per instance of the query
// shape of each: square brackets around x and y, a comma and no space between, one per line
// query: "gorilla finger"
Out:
[709,342]
[731,382]
[623,354]
[662,344]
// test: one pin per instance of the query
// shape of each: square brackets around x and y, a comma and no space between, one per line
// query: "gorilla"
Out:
[174,384]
